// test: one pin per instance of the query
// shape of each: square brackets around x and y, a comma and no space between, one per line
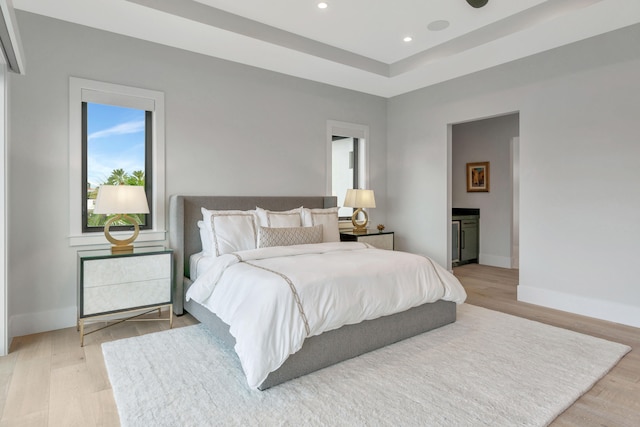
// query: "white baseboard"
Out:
[600,309]
[495,260]
[33,323]
[27,324]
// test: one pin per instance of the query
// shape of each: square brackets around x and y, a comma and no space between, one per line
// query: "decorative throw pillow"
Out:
[329,220]
[287,236]
[231,231]
[205,239]
[290,218]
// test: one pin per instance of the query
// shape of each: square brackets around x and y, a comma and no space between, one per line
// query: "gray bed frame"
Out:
[318,351]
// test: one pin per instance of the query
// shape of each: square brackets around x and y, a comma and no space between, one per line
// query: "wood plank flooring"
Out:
[49,380]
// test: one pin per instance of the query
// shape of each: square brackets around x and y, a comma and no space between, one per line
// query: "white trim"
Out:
[354,131]
[4,330]
[43,321]
[118,99]
[83,90]
[514,146]
[597,308]
[11,43]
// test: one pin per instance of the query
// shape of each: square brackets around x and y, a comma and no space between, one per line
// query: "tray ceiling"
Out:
[355,44]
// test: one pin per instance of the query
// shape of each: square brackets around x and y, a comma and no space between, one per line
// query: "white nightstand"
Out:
[111,284]
[381,240]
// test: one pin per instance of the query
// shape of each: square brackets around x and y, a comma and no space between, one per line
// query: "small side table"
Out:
[125,283]
[380,240]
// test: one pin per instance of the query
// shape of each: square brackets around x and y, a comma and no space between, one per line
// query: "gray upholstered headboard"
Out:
[184,236]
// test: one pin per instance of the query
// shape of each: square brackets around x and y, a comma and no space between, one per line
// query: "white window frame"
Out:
[83,90]
[351,130]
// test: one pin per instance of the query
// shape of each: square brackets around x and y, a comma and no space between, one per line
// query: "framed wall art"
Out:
[478,177]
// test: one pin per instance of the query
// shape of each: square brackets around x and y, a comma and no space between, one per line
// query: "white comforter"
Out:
[273,298]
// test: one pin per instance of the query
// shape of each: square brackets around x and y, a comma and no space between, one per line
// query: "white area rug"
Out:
[488,368]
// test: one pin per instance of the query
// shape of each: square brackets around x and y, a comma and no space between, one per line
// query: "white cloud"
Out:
[121,129]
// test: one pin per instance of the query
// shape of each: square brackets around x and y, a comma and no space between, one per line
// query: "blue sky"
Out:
[115,141]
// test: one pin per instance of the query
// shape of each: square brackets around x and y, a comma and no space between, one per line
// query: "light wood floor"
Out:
[49,380]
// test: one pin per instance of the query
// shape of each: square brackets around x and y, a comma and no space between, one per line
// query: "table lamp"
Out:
[359,199]
[121,200]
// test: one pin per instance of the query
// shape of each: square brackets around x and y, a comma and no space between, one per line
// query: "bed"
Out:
[318,351]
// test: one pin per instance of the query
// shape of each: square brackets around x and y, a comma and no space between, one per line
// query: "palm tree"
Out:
[117,177]
[136,178]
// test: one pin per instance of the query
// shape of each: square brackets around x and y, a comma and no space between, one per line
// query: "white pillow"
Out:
[231,231]
[287,236]
[205,239]
[274,219]
[329,220]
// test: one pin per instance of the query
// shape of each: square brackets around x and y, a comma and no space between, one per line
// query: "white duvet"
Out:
[273,298]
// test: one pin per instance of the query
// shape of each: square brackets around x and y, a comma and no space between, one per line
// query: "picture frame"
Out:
[478,177]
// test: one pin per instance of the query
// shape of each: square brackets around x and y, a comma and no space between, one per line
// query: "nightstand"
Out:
[381,240]
[113,284]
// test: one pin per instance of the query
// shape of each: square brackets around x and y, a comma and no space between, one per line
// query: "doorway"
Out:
[494,141]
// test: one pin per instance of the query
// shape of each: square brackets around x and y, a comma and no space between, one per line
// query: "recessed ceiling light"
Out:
[323,5]
[407,39]
[438,25]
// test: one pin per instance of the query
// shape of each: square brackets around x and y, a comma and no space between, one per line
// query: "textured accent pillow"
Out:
[288,236]
[290,218]
[231,231]
[329,220]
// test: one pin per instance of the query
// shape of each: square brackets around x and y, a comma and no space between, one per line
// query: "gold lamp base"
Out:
[359,227]
[121,246]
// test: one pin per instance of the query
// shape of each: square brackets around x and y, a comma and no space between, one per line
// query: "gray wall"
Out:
[487,140]
[230,130]
[579,199]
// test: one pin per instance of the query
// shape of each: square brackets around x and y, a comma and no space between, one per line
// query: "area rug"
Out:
[487,368]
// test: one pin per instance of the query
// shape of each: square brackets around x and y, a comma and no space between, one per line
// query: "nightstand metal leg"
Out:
[113,322]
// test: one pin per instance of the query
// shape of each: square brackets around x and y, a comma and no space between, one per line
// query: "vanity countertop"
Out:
[459,212]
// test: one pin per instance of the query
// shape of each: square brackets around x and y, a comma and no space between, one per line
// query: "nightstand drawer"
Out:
[123,296]
[110,271]
[380,240]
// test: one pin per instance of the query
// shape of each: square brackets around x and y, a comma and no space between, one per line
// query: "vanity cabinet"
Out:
[465,236]
[469,240]
[455,242]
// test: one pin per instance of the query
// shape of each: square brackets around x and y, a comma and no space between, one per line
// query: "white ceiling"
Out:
[356,44]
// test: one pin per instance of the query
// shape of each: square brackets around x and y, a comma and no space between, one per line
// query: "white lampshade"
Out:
[357,198]
[121,199]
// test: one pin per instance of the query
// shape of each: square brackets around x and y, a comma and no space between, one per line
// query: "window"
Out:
[116,136]
[116,150]
[344,169]
[347,161]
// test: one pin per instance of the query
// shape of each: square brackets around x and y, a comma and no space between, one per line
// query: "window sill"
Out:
[89,239]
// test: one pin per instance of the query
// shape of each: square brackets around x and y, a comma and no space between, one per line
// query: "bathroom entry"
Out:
[489,140]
